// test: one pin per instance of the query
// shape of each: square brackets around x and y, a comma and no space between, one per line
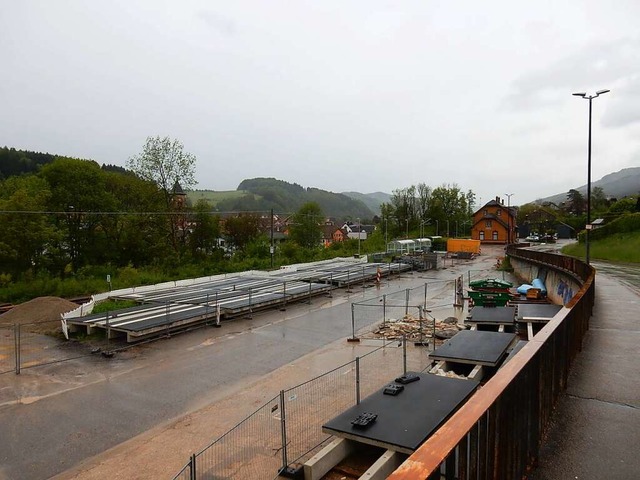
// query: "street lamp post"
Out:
[437,229]
[407,220]
[447,227]
[509,217]
[588,226]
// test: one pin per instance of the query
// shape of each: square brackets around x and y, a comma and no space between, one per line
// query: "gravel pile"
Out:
[40,315]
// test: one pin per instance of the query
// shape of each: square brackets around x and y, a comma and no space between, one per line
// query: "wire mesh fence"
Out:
[249,450]
[287,430]
[415,304]
[186,473]
[311,404]
[35,344]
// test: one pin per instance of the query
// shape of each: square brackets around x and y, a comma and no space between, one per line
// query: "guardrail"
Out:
[498,432]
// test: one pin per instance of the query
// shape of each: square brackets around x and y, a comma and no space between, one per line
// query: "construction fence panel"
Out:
[309,405]
[380,367]
[288,429]
[251,450]
[7,348]
[185,473]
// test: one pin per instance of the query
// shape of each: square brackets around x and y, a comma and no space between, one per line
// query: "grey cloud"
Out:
[219,23]
[596,66]
[624,108]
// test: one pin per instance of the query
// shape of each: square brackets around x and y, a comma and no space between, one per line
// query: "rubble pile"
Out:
[450,373]
[410,327]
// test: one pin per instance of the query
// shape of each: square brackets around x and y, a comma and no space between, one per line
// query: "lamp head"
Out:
[580,94]
[600,92]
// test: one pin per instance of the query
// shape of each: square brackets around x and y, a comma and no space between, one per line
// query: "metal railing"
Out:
[497,433]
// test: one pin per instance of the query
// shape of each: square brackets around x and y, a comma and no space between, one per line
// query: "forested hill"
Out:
[18,162]
[267,193]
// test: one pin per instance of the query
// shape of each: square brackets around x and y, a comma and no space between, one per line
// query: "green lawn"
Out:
[620,247]
[213,197]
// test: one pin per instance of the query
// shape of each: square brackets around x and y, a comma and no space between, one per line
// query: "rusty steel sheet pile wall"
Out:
[498,432]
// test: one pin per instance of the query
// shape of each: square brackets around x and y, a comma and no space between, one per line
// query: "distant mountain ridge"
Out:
[371,200]
[618,184]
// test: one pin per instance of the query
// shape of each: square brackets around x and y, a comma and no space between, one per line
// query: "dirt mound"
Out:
[42,314]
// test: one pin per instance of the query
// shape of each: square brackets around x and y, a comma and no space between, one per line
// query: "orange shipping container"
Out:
[455,245]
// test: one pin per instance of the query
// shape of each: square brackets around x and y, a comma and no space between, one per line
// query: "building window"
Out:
[487,223]
[481,235]
[486,213]
[499,212]
[495,235]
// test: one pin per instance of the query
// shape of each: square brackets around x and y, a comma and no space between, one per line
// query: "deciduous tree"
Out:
[306,230]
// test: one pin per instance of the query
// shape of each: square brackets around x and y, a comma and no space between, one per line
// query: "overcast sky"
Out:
[340,95]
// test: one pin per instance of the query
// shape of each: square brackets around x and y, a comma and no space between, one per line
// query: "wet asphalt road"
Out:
[54,417]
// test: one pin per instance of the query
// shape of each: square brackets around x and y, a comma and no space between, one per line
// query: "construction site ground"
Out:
[169,438]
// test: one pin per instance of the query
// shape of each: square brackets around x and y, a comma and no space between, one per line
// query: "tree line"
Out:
[68,219]
[445,210]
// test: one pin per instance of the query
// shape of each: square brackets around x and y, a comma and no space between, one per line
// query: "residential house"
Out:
[332,234]
[494,223]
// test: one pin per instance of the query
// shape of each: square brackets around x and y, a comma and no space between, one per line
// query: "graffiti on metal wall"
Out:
[565,291]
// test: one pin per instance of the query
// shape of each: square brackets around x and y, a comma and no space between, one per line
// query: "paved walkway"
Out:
[595,431]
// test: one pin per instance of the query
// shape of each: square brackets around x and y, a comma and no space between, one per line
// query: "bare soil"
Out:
[40,315]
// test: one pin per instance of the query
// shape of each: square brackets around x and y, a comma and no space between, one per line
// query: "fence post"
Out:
[406,302]
[425,294]
[357,380]
[108,334]
[167,314]
[434,333]
[217,311]
[348,281]
[309,302]
[384,309]
[353,325]
[420,307]
[192,467]
[206,310]
[284,297]
[363,283]
[331,285]
[283,424]
[250,300]
[404,354]
[16,342]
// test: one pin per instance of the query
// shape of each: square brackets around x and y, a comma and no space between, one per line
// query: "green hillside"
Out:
[215,197]
[262,194]
[371,200]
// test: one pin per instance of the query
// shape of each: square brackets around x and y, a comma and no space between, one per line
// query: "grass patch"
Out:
[619,247]
[111,305]
[214,197]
